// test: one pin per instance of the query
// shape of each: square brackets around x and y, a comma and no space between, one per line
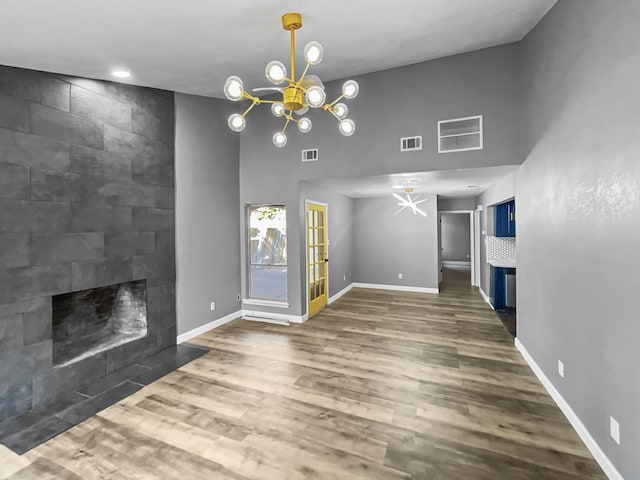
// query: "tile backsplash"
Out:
[503,248]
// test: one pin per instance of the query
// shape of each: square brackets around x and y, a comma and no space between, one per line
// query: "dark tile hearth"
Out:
[27,431]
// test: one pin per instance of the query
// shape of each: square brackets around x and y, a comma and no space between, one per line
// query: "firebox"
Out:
[91,321]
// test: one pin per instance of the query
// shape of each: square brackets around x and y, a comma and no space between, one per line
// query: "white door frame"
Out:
[472,241]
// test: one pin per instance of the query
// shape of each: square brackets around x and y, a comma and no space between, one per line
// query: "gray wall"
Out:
[456,237]
[340,236]
[388,244]
[86,200]
[578,220]
[207,212]
[384,112]
[466,203]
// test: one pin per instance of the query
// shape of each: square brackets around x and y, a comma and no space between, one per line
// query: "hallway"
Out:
[379,385]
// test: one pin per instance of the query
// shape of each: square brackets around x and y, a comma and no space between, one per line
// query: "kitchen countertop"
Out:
[502,262]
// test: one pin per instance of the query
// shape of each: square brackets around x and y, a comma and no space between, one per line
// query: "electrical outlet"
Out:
[400,276]
[213,306]
[561,368]
[614,430]
[239,297]
[344,278]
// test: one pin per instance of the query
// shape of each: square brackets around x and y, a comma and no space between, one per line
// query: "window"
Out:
[460,134]
[267,252]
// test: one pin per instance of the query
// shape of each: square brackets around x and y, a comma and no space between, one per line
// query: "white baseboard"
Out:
[486,299]
[398,288]
[339,294]
[455,263]
[208,326]
[275,316]
[597,452]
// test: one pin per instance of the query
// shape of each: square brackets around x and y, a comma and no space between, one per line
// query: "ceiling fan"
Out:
[411,203]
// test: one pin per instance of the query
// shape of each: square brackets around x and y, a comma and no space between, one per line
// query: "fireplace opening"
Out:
[91,321]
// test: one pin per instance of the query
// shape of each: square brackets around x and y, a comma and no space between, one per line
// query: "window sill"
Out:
[265,303]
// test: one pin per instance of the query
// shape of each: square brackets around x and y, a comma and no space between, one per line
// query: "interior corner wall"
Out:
[207,219]
[389,244]
[340,236]
[578,214]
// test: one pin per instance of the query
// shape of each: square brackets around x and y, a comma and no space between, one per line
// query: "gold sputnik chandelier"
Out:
[297,95]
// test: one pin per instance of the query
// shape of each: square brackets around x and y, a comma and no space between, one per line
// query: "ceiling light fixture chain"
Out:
[298,95]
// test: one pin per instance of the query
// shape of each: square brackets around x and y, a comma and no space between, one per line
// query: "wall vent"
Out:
[310,155]
[460,134]
[410,144]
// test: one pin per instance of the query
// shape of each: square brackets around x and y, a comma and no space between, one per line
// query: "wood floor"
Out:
[379,385]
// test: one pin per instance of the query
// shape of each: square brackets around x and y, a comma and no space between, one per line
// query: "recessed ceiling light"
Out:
[121,73]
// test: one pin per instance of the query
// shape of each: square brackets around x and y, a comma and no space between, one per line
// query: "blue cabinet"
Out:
[500,288]
[505,219]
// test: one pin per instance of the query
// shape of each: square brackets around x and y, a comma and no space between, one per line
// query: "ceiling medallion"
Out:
[409,202]
[297,95]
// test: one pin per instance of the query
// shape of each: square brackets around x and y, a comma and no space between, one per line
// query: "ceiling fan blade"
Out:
[264,89]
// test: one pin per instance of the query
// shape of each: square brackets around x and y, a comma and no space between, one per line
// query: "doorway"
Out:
[457,239]
[317,258]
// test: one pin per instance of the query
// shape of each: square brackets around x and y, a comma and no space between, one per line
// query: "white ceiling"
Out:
[193,45]
[468,182]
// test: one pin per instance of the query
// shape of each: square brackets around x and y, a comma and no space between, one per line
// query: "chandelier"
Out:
[411,203]
[297,95]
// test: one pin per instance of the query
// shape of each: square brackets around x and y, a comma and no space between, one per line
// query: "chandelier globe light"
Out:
[298,94]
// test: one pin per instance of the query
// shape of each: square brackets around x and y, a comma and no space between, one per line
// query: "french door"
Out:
[317,260]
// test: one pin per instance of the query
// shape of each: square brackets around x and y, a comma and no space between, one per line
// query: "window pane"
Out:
[267,252]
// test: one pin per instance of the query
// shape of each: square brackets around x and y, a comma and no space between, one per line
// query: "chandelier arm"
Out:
[336,100]
[256,101]
[286,124]
[328,108]
[304,72]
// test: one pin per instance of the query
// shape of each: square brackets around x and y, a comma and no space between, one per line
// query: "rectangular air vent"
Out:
[310,155]
[460,134]
[410,144]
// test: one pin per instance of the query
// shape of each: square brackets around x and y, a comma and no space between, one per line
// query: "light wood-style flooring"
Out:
[379,385]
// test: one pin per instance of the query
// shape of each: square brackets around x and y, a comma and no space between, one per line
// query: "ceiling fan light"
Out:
[276,72]
[313,53]
[279,139]
[237,122]
[341,110]
[277,109]
[304,125]
[347,127]
[350,89]
[315,96]
[233,88]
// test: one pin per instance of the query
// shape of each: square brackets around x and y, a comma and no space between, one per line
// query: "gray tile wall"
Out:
[86,200]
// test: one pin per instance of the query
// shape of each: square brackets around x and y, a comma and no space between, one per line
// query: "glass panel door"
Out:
[316,257]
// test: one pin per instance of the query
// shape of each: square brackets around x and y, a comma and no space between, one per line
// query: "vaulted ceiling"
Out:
[191,46]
